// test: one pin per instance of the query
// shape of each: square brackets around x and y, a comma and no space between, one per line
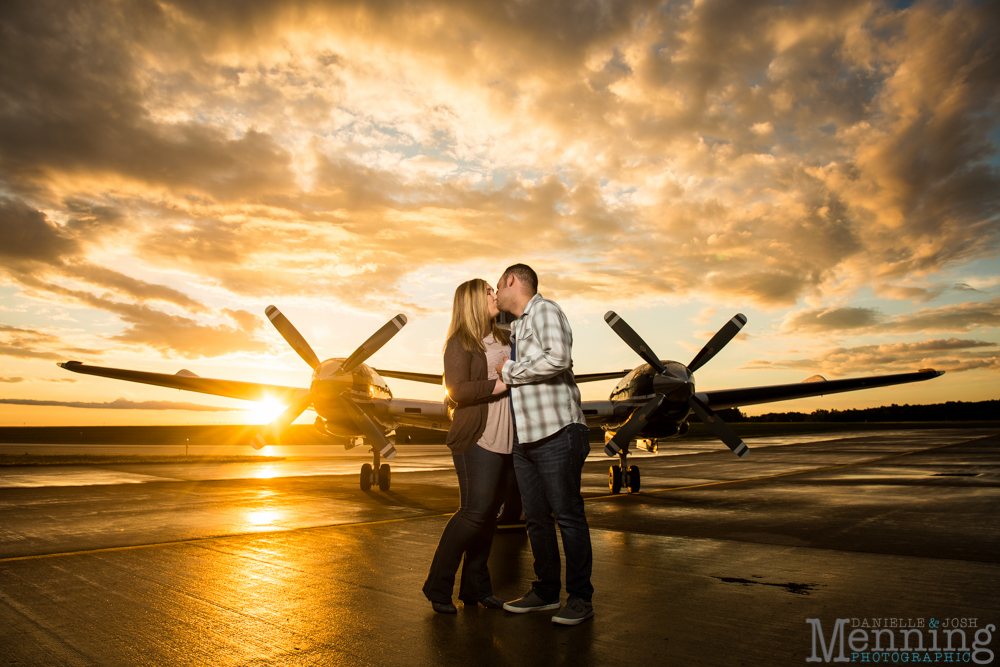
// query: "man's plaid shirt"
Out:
[543,391]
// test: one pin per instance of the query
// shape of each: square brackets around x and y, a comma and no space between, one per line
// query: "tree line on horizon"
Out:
[233,434]
[951,411]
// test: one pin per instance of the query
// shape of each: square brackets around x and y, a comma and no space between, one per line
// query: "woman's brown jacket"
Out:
[467,383]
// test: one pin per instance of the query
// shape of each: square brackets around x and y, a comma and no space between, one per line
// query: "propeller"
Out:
[719,341]
[631,428]
[373,344]
[292,336]
[719,428]
[633,340]
[369,429]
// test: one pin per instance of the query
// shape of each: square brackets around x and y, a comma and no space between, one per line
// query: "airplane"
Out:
[354,405]
[657,399]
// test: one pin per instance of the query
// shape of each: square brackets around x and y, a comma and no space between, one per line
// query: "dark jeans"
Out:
[548,472]
[481,483]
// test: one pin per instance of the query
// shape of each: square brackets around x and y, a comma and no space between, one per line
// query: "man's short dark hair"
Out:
[525,274]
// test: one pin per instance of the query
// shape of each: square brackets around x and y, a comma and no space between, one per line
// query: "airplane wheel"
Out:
[615,478]
[366,477]
[383,477]
[509,512]
[633,479]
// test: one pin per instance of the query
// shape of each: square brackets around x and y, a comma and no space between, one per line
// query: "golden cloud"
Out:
[955,318]
[771,153]
[952,355]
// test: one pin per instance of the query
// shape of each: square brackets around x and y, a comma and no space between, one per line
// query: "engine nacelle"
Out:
[322,427]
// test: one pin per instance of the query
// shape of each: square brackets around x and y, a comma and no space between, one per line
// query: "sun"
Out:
[264,411]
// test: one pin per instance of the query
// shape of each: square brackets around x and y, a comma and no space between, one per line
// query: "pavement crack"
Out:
[797,589]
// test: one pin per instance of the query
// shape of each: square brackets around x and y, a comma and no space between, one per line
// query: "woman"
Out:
[480,438]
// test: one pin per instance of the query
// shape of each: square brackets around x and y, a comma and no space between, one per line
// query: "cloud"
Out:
[80,109]
[908,292]
[955,318]
[771,153]
[36,241]
[35,246]
[176,335]
[951,354]
[29,236]
[33,344]
[172,335]
[120,404]
[820,320]
[17,380]
[36,249]
[141,290]
[958,318]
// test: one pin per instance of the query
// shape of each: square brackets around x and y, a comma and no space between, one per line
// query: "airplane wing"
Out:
[594,377]
[430,378]
[814,386]
[188,381]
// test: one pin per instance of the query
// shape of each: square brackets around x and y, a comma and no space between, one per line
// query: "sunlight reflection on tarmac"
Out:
[300,461]
[717,561]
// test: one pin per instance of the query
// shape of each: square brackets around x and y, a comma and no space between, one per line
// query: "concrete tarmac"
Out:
[717,561]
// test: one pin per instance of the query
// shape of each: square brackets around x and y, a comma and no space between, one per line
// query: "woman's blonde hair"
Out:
[470,317]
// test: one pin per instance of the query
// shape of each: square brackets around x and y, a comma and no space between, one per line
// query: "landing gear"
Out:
[509,513]
[383,477]
[623,474]
[633,479]
[615,478]
[373,474]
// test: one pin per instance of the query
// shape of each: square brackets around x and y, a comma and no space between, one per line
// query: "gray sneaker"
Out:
[530,602]
[575,612]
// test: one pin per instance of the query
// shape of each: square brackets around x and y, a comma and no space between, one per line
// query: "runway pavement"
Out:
[717,561]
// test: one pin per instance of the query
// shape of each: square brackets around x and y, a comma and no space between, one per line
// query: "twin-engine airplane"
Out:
[656,400]
[354,405]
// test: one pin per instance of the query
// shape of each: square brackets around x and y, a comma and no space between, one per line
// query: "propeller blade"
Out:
[292,336]
[719,428]
[632,426]
[372,345]
[270,434]
[719,341]
[633,340]
[369,429]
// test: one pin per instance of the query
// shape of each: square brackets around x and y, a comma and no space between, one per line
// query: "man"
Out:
[550,446]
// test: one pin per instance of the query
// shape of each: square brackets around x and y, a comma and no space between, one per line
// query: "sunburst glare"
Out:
[264,412]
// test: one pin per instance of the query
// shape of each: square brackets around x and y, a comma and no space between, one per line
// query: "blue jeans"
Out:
[548,473]
[481,485]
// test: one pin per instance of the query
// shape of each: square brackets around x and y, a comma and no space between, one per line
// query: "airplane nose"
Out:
[674,388]
[331,387]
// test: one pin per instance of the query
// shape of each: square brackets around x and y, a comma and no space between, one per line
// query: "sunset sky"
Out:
[168,169]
